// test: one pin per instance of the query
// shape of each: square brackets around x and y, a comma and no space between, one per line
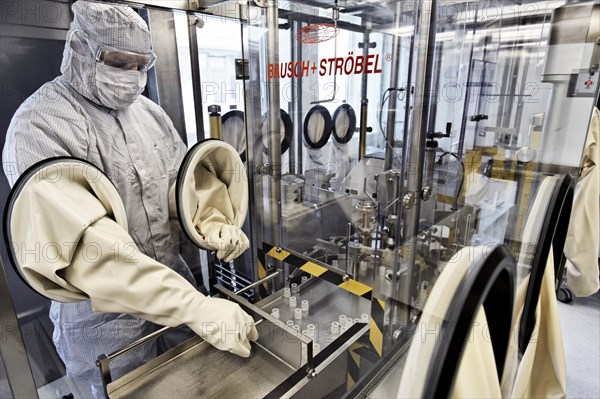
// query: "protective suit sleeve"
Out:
[581,247]
[103,264]
[179,149]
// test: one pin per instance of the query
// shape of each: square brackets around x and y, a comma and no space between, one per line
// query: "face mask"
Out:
[117,88]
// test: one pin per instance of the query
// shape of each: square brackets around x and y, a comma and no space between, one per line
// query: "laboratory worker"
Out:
[95,112]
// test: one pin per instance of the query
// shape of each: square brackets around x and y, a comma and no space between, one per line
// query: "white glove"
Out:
[224,325]
[228,240]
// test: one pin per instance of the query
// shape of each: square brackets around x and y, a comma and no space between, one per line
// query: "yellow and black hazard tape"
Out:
[262,271]
[353,366]
[376,330]
[311,267]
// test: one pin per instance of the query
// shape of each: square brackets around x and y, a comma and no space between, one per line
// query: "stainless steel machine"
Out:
[463,108]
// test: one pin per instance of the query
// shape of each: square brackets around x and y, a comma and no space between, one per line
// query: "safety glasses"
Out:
[125,60]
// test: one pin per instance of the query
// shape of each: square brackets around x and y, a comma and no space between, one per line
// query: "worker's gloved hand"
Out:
[228,240]
[224,325]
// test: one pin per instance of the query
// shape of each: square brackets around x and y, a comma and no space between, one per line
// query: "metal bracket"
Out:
[369,45]
[426,193]
[409,200]
[264,169]
[242,69]
[478,118]
[595,60]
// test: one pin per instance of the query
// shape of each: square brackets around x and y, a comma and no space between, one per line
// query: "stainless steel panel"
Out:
[12,348]
[197,370]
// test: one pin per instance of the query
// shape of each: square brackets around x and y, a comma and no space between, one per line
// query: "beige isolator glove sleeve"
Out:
[214,220]
[541,372]
[581,247]
[476,377]
[213,199]
[104,265]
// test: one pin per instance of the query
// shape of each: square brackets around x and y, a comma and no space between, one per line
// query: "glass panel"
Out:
[219,45]
[185,74]
[462,124]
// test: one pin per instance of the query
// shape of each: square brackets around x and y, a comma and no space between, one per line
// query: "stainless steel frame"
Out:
[12,346]
[414,156]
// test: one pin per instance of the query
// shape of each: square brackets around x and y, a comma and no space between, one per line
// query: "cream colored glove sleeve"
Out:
[105,266]
[581,247]
[476,377]
[541,371]
[214,219]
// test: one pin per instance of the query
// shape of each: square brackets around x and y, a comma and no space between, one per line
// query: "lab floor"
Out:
[580,322]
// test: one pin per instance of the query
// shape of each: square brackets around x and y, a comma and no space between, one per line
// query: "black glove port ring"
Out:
[17,189]
[343,137]
[327,127]
[288,131]
[198,153]
[231,136]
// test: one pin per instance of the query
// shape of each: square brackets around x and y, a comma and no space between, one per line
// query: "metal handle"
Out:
[103,361]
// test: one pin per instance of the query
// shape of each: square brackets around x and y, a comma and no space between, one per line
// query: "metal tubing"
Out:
[298,124]
[195,62]
[430,154]
[274,117]
[254,156]
[522,88]
[463,124]
[416,150]
[139,342]
[362,140]
[103,361]
[348,237]
[364,103]
[259,282]
[515,65]
[295,104]
[435,89]
[393,98]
